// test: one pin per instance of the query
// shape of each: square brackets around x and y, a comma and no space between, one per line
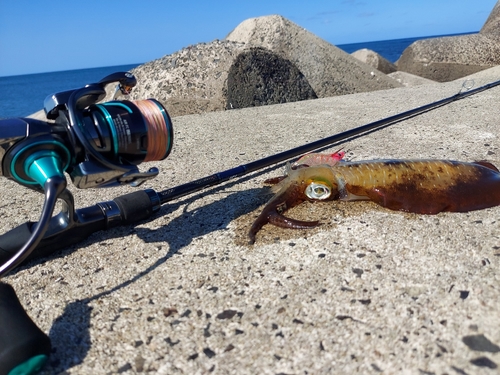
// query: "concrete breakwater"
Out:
[271,60]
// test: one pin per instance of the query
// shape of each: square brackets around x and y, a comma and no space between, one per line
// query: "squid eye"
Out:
[318,191]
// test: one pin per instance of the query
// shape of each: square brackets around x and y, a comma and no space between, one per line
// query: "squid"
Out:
[417,186]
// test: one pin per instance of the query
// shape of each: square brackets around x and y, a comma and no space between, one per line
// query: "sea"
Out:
[23,95]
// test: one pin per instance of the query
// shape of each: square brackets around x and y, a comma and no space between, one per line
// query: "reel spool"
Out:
[129,132]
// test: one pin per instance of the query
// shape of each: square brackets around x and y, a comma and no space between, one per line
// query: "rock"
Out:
[39,115]
[409,80]
[259,77]
[219,75]
[192,80]
[329,70]
[480,343]
[448,58]
[373,59]
[484,362]
[491,27]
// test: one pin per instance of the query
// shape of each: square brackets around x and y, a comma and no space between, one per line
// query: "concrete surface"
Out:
[408,79]
[492,25]
[215,76]
[370,291]
[450,57]
[260,77]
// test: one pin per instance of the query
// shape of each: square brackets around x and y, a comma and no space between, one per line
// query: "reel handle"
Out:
[24,348]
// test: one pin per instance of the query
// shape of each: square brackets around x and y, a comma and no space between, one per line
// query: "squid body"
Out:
[418,186]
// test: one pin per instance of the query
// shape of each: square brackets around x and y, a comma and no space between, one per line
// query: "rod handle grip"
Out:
[138,205]
[14,239]
[125,209]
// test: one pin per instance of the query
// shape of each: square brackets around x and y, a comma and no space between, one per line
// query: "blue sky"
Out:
[45,36]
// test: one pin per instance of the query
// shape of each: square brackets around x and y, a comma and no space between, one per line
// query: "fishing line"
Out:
[159,138]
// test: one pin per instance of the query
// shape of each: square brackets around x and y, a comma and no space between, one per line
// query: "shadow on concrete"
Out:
[70,333]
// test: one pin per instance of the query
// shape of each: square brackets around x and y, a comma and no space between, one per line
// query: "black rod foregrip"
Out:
[24,348]
[137,206]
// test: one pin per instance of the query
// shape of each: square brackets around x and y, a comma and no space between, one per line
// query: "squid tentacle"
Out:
[275,218]
[289,195]
[286,222]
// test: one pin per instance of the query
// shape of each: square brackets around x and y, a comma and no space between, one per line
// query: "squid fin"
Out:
[487,164]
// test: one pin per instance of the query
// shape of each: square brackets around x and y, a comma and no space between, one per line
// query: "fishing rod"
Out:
[101,145]
[217,178]
[72,226]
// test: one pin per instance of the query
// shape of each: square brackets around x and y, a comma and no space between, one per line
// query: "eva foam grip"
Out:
[133,207]
[138,205]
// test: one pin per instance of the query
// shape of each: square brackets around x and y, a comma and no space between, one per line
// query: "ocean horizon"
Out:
[23,95]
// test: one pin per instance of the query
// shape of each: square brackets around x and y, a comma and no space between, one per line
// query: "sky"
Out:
[46,36]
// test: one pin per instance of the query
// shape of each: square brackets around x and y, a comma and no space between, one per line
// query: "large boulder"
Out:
[329,70]
[260,77]
[222,74]
[375,60]
[447,58]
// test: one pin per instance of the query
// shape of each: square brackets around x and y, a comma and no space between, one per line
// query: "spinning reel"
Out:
[96,144]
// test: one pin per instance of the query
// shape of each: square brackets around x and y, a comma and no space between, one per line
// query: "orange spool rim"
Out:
[159,127]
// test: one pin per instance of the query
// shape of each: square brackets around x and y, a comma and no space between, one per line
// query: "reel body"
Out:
[97,144]
[24,142]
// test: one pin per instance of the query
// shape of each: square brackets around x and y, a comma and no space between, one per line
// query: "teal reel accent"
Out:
[40,161]
[30,367]
[43,165]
